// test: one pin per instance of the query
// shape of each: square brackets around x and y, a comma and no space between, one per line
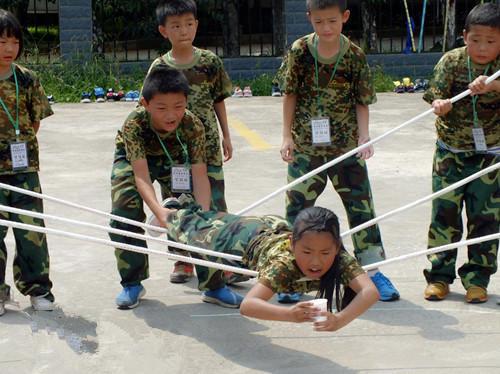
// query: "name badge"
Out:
[19,155]
[320,127]
[181,178]
[479,139]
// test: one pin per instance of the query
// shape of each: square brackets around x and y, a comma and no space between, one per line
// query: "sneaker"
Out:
[41,303]
[232,278]
[275,90]
[51,99]
[400,89]
[136,95]
[476,295]
[129,96]
[224,297]
[171,203]
[119,96]
[99,95]
[247,92]
[86,98]
[130,296]
[110,95]
[289,298]
[419,85]
[410,88]
[385,288]
[237,92]
[182,273]
[436,291]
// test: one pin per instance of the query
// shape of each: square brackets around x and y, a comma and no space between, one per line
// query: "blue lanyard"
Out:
[184,148]
[16,122]
[475,97]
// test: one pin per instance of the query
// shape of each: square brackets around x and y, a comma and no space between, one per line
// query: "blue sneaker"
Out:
[129,297]
[99,95]
[224,297]
[289,298]
[385,288]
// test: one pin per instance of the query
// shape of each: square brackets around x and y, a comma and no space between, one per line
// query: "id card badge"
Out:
[320,127]
[181,178]
[479,139]
[19,155]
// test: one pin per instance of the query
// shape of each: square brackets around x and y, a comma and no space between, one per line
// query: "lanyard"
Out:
[16,122]
[316,56]
[475,97]
[184,148]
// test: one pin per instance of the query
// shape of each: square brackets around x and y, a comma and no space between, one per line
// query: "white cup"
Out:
[321,304]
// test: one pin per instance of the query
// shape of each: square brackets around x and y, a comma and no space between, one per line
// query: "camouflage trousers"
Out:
[31,261]
[350,180]
[481,198]
[216,178]
[221,232]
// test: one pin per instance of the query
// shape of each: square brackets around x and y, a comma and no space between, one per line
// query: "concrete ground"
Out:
[174,332]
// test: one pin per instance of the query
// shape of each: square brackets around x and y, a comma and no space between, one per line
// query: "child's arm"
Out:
[227,147]
[363,117]
[479,86]
[201,185]
[36,126]
[255,305]
[287,146]
[366,296]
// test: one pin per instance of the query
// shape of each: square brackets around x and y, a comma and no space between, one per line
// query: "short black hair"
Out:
[163,79]
[174,8]
[324,4]
[487,14]
[10,27]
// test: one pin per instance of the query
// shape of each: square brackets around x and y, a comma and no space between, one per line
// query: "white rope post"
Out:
[422,200]
[355,150]
[431,251]
[121,232]
[127,247]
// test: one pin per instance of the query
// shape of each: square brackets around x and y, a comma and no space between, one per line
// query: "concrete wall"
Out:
[75,28]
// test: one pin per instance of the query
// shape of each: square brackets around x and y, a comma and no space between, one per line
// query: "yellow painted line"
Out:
[254,139]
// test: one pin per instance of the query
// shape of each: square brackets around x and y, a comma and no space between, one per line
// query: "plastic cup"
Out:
[321,304]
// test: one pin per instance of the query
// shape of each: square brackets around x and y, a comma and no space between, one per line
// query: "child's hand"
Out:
[303,312]
[287,148]
[227,148]
[366,153]
[442,107]
[333,322]
[161,218]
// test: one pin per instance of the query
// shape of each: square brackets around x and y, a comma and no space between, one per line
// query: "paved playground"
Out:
[173,331]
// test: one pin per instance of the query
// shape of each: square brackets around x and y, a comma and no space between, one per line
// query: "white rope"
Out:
[422,200]
[355,150]
[128,247]
[120,232]
[431,251]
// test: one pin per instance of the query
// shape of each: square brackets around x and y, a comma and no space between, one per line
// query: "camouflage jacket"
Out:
[140,141]
[209,84]
[451,77]
[275,262]
[351,85]
[33,107]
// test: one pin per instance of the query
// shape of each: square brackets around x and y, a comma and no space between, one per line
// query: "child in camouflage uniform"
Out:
[468,140]
[161,141]
[23,106]
[209,86]
[308,257]
[328,87]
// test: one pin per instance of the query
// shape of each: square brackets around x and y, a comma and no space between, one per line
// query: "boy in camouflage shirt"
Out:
[209,86]
[328,87]
[468,140]
[160,141]
[23,106]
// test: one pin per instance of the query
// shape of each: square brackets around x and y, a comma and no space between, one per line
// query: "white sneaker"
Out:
[41,303]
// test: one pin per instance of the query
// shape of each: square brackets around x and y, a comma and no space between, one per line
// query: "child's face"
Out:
[327,23]
[483,43]
[314,253]
[180,30]
[166,110]
[9,49]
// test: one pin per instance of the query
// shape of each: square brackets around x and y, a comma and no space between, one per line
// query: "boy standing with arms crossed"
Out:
[209,85]
[328,87]
[468,141]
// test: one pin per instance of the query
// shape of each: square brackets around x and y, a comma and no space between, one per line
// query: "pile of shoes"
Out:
[406,85]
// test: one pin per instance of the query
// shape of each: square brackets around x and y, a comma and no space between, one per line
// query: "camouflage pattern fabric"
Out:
[31,262]
[350,180]
[217,188]
[451,77]
[33,107]
[262,241]
[481,198]
[209,84]
[352,84]
[134,141]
